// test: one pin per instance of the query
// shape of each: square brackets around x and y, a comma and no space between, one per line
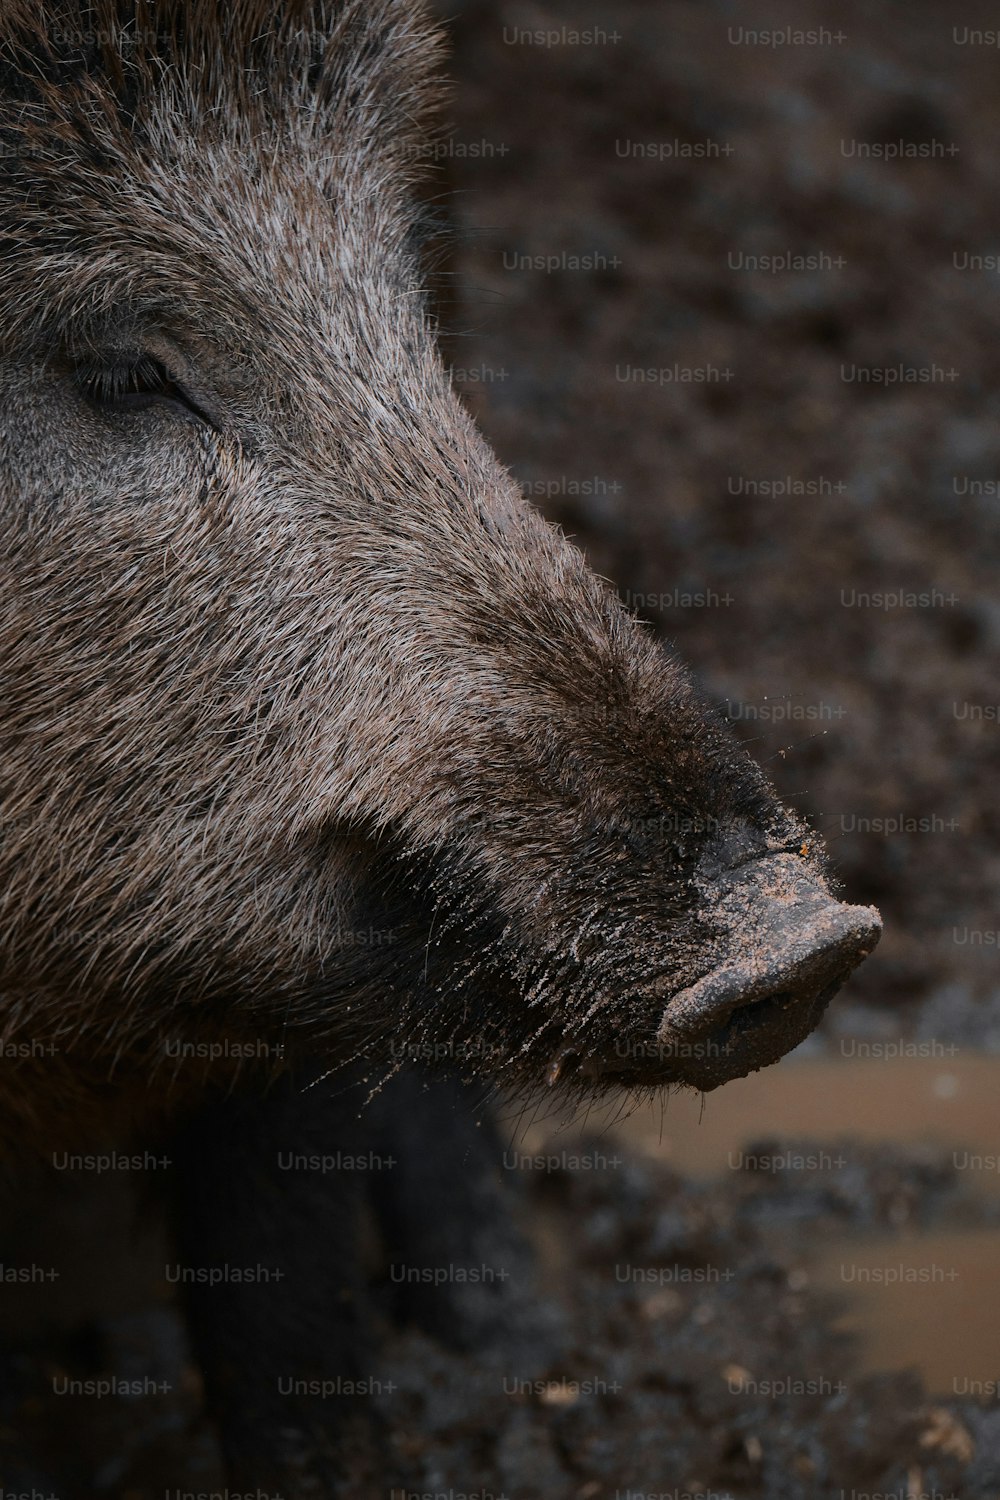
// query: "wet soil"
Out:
[706,1344]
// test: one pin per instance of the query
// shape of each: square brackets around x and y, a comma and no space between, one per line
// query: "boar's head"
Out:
[312,729]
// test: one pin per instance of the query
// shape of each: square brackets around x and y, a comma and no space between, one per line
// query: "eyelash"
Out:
[134,382]
[108,384]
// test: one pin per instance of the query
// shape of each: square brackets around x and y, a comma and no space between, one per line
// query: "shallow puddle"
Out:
[927,1300]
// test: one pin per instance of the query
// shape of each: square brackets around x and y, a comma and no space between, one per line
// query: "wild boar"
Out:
[319,748]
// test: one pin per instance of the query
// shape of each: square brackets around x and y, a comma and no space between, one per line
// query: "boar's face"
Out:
[311,727]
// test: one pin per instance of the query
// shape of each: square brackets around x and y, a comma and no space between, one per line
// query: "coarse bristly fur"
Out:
[313,734]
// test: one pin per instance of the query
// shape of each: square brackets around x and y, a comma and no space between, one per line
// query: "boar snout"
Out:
[787,947]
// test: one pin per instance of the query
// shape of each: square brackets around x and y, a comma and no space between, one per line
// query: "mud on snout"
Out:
[786,946]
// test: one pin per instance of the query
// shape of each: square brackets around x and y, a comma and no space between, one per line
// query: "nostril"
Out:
[782,1000]
[755,1012]
[811,998]
[756,1009]
[763,1010]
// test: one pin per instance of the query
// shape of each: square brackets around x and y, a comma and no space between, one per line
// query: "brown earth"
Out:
[700,1358]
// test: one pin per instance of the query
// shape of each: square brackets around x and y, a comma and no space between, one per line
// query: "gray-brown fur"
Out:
[316,665]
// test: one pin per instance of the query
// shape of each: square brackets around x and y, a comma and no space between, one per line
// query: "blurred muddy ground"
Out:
[704,1350]
[748,454]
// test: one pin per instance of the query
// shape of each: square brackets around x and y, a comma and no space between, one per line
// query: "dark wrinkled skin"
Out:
[322,754]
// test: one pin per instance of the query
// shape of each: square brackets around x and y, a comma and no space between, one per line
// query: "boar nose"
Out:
[787,947]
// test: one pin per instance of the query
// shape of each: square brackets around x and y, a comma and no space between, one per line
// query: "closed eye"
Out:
[135,382]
